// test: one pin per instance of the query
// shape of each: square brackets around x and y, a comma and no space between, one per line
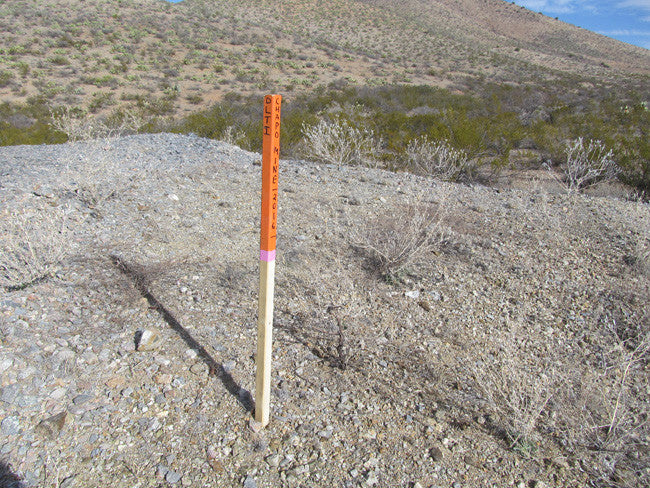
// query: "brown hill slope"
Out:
[171,58]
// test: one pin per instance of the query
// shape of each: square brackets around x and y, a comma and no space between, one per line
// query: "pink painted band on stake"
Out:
[267,256]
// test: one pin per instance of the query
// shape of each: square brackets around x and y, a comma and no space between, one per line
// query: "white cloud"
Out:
[643,5]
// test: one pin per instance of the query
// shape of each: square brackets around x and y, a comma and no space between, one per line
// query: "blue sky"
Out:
[625,20]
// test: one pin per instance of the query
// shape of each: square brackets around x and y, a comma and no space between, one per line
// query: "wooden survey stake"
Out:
[270,170]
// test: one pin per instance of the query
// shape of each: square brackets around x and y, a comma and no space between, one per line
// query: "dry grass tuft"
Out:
[33,245]
[397,239]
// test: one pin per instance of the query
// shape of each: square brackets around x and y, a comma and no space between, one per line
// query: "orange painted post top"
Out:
[270,172]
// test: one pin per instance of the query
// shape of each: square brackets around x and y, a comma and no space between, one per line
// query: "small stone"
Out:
[273,460]
[255,425]
[115,381]
[10,426]
[68,482]
[147,340]
[228,366]
[521,484]
[425,305]
[9,393]
[372,479]
[250,482]
[51,426]
[191,353]
[456,485]
[163,379]
[415,294]
[161,471]
[472,461]
[417,485]
[212,452]
[173,197]
[172,477]
[58,393]
[199,369]
[436,454]
[81,399]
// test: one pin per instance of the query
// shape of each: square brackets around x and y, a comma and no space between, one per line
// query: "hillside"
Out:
[171,59]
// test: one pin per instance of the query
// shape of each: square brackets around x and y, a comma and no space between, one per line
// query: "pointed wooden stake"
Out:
[270,171]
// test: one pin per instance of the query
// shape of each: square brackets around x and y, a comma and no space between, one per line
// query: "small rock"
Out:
[172,477]
[255,425]
[425,305]
[191,353]
[161,471]
[417,485]
[115,381]
[456,485]
[9,393]
[67,482]
[415,294]
[58,393]
[250,482]
[436,454]
[372,479]
[173,197]
[199,369]
[10,426]
[212,452]
[81,399]
[228,366]
[472,461]
[163,379]
[147,340]
[51,426]
[273,460]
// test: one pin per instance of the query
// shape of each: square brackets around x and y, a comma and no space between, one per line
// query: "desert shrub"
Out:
[516,395]
[337,142]
[602,415]
[33,244]
[79,126]
[5,78]
[587,165]
[436,158]
[395,240]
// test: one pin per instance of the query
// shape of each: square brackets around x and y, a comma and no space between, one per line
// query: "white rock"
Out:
[149,340]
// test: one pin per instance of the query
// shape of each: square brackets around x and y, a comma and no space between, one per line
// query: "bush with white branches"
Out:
[339,143]
[437,159]
[588,164]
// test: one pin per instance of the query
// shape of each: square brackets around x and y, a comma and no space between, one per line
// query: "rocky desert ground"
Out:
[510,351]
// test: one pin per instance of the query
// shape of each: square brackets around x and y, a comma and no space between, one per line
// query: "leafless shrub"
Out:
[33,244]
[604,411]
[436,158]
[337,142]
[325,318]
[587,165]
[396,239]
[232,136]
[79,126]
[515,393]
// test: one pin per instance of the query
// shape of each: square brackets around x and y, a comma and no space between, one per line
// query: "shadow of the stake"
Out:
[216,369]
